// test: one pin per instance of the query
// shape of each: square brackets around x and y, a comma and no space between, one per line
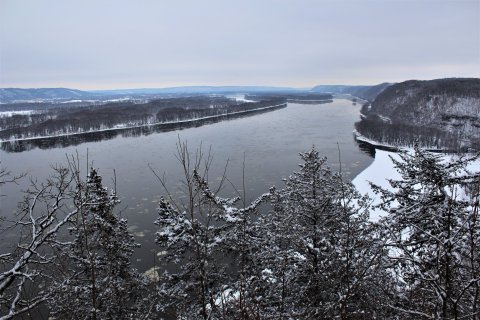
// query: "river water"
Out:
[269,142]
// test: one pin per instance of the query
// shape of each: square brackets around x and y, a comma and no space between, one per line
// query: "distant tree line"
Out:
[306,250]
[291,96]
[172,114]
[68,120]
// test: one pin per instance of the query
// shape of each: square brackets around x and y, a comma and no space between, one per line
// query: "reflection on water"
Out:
[365,147]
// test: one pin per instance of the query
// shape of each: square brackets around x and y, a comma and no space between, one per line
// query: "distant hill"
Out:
[444,112]
[198,90]
[14,94]
[9,95]
[365,92]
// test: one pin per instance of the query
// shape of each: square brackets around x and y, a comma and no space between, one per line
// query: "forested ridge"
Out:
[442,114]
[303,250]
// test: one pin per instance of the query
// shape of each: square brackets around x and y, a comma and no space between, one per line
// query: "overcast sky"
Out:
[94,44]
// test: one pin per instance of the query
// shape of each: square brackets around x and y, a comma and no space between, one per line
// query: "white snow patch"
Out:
[378,172]
[229,218]
[226,297]
[5,114]
[161,253]
[153,274]
[385,119]
[71,101]
[267,275]
[239,98]
[119,99]
[228,209]
[299,256]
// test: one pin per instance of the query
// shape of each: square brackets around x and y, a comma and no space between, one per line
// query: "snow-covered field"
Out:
[11,113]
[382,169]
[239,98]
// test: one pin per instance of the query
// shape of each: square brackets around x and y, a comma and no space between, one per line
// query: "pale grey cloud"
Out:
[147,43]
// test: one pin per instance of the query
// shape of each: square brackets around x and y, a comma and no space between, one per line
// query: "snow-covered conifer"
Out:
[325,256]
[100,282]
[433,232]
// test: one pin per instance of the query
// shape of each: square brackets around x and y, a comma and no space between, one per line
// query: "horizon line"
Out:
[222,86]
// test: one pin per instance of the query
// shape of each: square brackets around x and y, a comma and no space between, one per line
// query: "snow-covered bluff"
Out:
[449,105]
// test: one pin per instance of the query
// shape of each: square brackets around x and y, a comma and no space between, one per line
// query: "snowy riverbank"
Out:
[377,145]
[381,169]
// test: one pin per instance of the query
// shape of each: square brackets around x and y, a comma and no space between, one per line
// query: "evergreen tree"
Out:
[241,243]
[433,232]
[327,260]
[100,283]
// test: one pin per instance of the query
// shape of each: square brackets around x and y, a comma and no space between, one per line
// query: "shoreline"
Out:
[166,124]
[388,147]
[375,144]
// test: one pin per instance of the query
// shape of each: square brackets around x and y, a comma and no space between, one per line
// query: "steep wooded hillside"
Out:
[365,92]
[440,110]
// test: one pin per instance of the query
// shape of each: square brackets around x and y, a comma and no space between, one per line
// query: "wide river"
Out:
[270,143]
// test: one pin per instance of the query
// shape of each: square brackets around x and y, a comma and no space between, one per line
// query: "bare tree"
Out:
[200,236]
[45,210]
[7,177]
